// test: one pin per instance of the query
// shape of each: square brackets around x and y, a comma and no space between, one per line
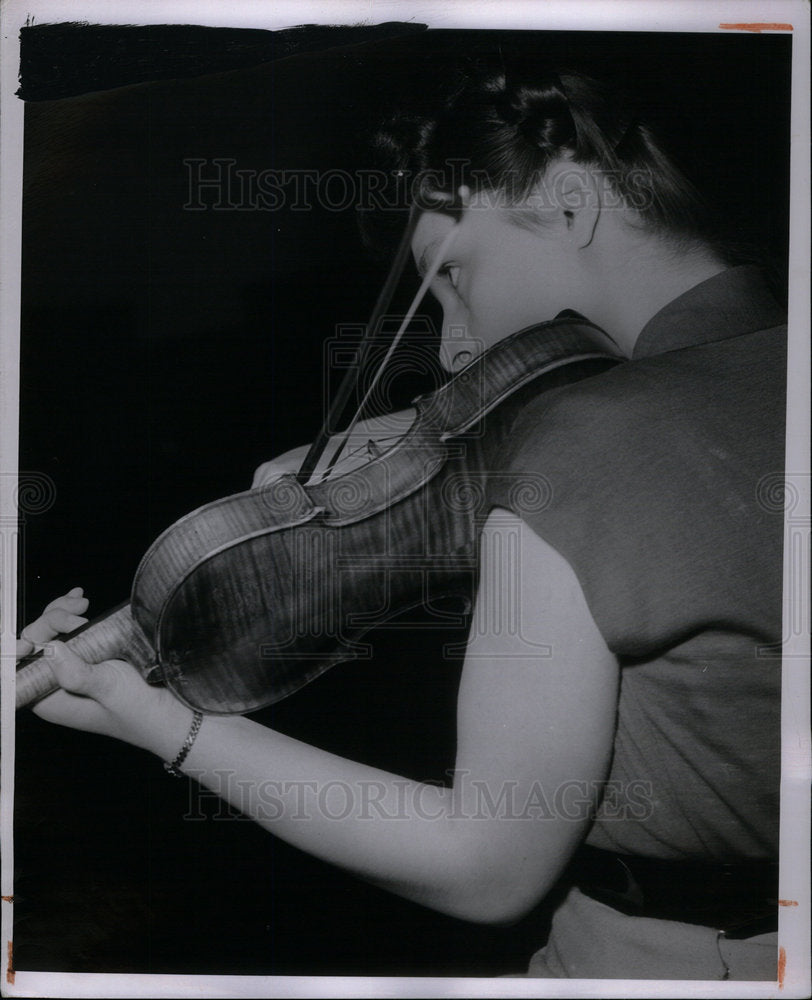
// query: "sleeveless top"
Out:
[662,476]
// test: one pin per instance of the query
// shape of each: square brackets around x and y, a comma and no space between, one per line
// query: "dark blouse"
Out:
[662,474]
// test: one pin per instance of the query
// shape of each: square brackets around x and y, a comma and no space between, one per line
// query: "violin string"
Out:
[431,273]
[348,383]
[366,446]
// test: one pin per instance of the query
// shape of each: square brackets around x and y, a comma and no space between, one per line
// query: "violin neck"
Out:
[111,636]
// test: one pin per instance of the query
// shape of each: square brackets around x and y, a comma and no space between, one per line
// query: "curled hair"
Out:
[499,132]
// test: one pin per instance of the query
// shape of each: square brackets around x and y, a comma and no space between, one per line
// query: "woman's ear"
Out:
[574,193]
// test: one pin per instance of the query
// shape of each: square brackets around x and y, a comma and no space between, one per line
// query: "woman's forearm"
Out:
[399,834]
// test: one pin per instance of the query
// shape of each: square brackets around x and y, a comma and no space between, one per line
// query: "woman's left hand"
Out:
[113,699]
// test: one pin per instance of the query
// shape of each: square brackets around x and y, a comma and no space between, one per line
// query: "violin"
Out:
[245,600]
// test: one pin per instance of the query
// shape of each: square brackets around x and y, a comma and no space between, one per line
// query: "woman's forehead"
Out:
[429,232]
[482,222]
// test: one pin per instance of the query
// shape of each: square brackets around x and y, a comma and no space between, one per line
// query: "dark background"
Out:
[166,353]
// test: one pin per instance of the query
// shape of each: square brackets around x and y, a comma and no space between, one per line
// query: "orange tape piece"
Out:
[758,26]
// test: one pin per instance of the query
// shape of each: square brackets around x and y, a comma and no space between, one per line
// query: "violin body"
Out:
[246,599]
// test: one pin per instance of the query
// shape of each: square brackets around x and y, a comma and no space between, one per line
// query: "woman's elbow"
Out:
[502,898]
[496,909]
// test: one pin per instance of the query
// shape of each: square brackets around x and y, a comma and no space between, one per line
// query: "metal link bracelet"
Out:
[173,768]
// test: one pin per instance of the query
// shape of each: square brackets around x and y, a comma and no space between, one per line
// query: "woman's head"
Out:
[501,131]
[539,155]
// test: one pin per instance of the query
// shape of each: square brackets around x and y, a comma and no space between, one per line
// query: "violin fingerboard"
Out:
[114,635]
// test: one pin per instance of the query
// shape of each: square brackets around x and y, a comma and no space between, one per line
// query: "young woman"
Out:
[635,706]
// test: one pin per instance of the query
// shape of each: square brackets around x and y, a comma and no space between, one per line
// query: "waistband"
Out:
[739,898]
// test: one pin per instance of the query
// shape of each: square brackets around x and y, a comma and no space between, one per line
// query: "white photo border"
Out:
[637,15]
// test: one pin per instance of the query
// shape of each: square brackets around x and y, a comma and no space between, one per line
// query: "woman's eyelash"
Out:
[450,272]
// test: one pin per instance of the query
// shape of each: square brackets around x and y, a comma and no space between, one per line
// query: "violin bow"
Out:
[350,379]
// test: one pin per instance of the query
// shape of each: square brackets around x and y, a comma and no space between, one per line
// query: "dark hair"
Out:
[499,132]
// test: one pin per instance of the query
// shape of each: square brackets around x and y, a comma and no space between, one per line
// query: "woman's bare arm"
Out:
[536,715]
